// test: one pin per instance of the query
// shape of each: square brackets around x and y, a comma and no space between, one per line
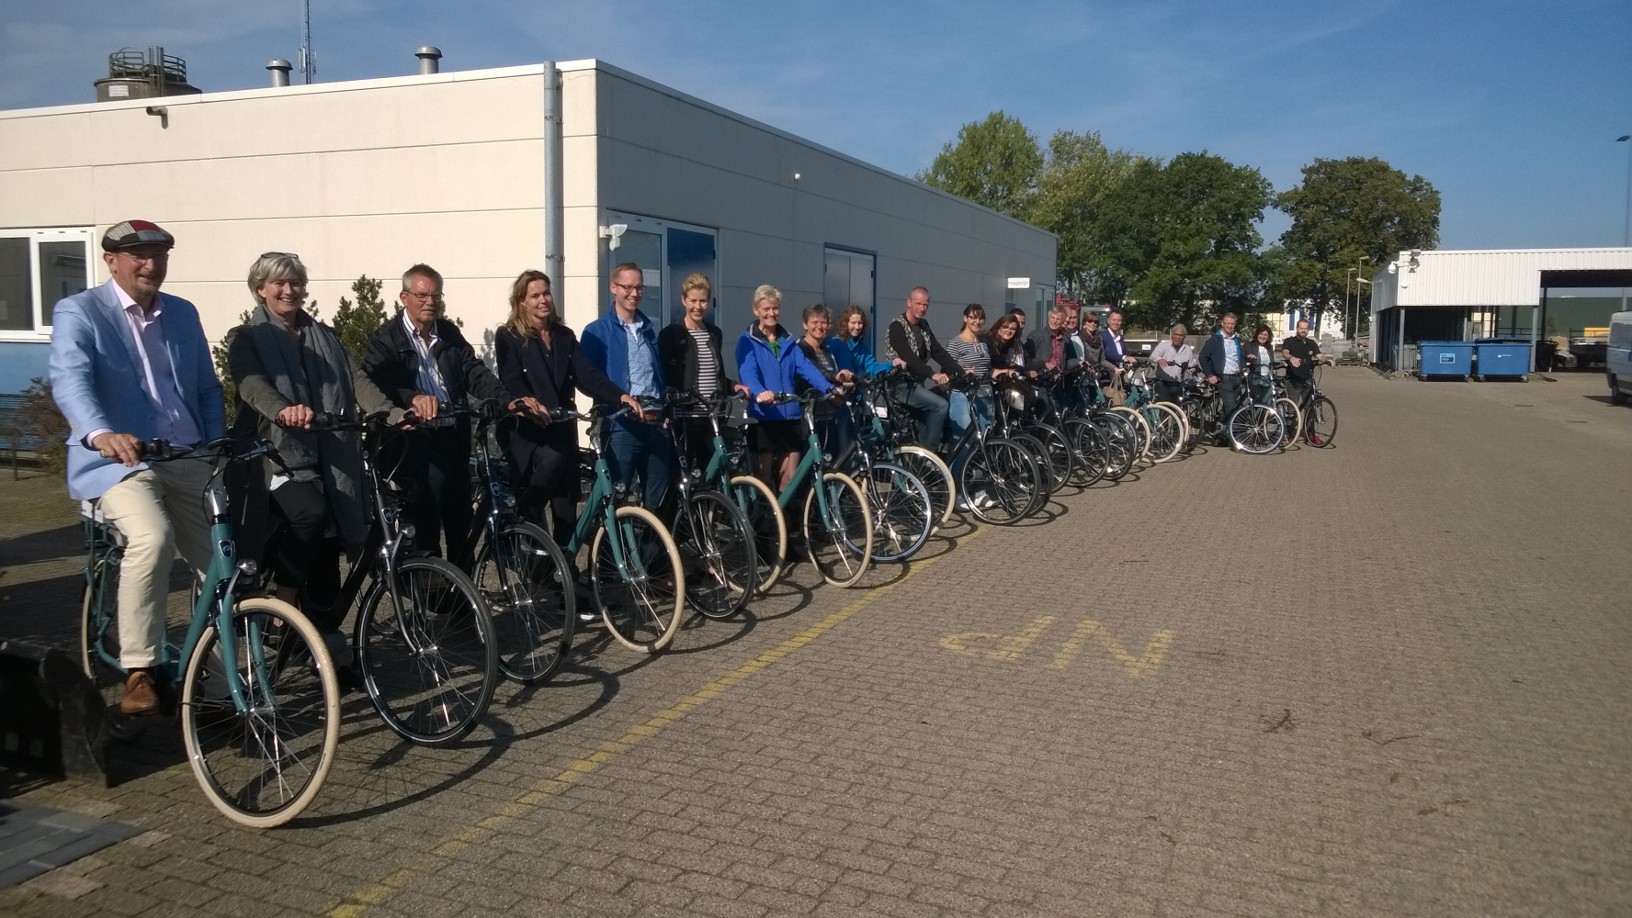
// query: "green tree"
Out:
[1075,194]
[994,163]
[1345,210]
[1183,236]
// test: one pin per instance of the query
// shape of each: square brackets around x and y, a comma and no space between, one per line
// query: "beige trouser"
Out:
[158,510]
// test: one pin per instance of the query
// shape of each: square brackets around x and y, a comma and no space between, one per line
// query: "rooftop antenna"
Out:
[308,63]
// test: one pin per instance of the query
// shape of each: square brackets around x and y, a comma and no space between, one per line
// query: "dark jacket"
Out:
[1039,347]
[391,362]
[1212,354]
[554,377]
[899,342]
[677,350]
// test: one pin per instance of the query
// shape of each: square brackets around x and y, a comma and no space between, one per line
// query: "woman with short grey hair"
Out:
[288,368]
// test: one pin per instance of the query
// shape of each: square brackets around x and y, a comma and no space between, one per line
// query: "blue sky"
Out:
[1510,109]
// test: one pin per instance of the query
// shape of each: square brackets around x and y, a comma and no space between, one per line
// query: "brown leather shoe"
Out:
[141,697]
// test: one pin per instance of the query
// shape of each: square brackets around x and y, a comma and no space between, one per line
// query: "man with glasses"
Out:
[623,345]
[130,364]
[423,363]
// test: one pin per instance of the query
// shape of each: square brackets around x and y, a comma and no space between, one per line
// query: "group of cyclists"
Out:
[878,449]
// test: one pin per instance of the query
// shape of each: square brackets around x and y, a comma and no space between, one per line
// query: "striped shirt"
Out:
[429,381]
[708,366]
[973,356]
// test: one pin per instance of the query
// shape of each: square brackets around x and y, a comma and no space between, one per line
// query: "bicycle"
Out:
[521,573]
[1256,426]
[425,643]
[837,520]
[260,701]
[1319,414]
[894,431]
[710,529]
[635,575]
[1001,481]
[1166,423]
[904,513]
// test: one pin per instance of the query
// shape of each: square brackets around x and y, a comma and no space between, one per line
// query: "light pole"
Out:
[1627,139]
[1359,278]
[1347,283]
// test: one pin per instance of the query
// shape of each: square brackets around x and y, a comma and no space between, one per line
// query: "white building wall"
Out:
[1485,278]
[357,178]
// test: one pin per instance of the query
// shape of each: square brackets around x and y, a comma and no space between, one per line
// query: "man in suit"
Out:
[421,362]
[130,364]
[1116,354]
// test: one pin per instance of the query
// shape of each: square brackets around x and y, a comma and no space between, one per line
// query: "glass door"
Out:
[666,251]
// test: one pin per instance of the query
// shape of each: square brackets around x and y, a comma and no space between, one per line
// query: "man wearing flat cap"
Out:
[129,364]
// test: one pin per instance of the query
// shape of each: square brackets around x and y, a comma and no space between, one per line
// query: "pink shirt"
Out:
[158,376]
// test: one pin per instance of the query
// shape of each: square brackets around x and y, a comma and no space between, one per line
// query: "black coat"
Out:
[391,362]
[553,377]
[677,350]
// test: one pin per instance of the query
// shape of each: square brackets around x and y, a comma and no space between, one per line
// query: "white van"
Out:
[1618,357]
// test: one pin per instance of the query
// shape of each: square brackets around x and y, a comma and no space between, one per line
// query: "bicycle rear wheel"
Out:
[1141,431]
[839,541]
[1291,418]
[428,654]
[1321,422]
[758,503]
[1121,440]
[638,582]
[1057,454]
[1089,465]
[263,765]
[717,550]
[932,470]
[527,585]
[903,513]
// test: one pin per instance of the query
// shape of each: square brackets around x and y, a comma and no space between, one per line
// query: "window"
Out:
[38,268]
[666,252]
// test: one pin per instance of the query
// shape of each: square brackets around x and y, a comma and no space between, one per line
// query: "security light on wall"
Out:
[614,233]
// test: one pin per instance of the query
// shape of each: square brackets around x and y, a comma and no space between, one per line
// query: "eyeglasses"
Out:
[423,297]
[139,259]
[630,288]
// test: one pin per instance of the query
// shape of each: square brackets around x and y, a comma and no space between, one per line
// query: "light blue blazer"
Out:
[96,379]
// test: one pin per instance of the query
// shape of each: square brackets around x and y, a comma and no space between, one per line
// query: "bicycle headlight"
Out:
[1015,399]
[408,532]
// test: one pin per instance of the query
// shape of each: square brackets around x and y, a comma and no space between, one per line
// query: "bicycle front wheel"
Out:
[717,548]
[638,581]
[758,503]
[1002,482]
[839,537]
[261,765]
[1321,422]
[903,514]
[429,658]
[1166,430]
[1256,429]
[527,585]
[1088,466]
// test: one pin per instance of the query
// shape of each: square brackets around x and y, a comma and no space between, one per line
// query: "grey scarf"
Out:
[316,372]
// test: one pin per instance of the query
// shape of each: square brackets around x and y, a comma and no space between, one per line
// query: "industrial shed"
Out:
[1533,294]
[570,168]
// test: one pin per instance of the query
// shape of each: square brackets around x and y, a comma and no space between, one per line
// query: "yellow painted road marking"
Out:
[1137,667]
[376,893]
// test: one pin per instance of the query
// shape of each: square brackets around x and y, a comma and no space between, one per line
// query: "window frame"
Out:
[38,236]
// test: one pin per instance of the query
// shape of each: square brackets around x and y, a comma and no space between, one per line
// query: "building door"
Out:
[666,251]
[848,280]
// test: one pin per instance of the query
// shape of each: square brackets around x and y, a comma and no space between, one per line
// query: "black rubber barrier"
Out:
[52,718]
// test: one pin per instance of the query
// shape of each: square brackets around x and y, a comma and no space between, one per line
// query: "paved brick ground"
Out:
[1377,679]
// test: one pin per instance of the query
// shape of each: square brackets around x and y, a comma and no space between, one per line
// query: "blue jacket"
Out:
[96,379]
[762,371]
[607,347]
[857,356]
[1212,354]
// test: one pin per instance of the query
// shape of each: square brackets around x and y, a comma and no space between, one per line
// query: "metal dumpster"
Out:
[1506,357]
[1446,359]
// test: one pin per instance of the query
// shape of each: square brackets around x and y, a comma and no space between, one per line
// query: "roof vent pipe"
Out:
[428,57]
[280,71]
